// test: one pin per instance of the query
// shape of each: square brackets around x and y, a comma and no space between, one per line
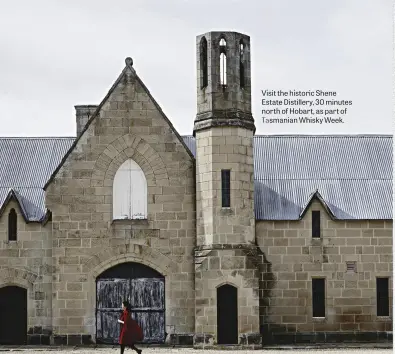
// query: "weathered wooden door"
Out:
[13,315]
[144,288]
[227,328]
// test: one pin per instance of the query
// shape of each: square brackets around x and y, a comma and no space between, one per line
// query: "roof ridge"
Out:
[20,187]
[36,137]
[314,136]
[324,135]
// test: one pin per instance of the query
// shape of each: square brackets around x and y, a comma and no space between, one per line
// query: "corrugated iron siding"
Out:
[26,165]
[353,173]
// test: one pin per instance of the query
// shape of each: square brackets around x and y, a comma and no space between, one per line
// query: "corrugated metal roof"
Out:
[29,162]
[352,173]
[26,165]
[190,143]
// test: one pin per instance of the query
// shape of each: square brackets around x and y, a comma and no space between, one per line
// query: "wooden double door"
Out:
[143,288]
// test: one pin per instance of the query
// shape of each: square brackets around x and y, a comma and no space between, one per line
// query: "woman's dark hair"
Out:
[127,305]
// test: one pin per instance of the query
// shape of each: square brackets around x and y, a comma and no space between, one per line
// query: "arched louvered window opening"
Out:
[203,63]
[222,62]
[129,192]
[12,225]
[241,66]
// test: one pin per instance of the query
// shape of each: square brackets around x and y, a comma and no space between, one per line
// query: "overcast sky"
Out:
[55,54]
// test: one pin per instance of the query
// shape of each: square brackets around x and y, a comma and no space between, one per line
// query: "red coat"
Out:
[131,332]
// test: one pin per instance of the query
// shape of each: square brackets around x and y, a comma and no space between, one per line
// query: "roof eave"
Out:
[47,217]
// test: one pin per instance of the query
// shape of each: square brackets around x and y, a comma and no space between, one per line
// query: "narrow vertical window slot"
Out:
[223,63]
[203,64]
[318,297]
[315,224]
[225,183]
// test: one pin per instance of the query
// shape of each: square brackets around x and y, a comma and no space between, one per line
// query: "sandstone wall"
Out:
[86,239]
[226,253]
[27,263]
[294,258]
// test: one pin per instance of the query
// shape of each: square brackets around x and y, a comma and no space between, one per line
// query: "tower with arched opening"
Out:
[224,130]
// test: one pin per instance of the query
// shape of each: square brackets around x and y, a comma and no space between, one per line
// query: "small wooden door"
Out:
[13,315]
[227,327]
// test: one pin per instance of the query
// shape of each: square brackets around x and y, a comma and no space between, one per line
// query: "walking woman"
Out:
[130,331]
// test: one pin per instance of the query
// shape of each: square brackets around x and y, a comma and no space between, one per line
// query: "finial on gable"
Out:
[129,61]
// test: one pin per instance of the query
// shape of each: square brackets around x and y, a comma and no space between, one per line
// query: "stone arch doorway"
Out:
[227,325]
[13,315]
[144,288]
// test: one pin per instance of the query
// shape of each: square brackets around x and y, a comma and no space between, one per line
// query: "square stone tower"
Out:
[226,256]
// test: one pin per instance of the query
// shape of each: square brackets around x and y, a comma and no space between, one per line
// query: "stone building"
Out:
[223,237]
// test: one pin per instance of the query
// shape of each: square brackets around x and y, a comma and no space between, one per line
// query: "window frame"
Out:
[130,167]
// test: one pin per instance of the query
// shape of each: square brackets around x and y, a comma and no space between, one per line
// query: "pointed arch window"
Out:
[129,192]
[203,63]
[222,62]
[241,66]
[12,225]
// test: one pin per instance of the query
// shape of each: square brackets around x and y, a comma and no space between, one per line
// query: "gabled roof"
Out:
[14,195]
[128,67]
[353,174]
[316,196]
[25,166]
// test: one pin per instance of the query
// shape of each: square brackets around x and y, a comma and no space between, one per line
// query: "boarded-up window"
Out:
[130,192]
[382,297]
[315,224]
[318,290]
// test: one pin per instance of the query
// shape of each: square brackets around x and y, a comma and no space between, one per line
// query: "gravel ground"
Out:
[192,351]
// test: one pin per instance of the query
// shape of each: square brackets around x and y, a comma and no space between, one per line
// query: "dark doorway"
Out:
[13,315]
[144,288]
[227,315]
